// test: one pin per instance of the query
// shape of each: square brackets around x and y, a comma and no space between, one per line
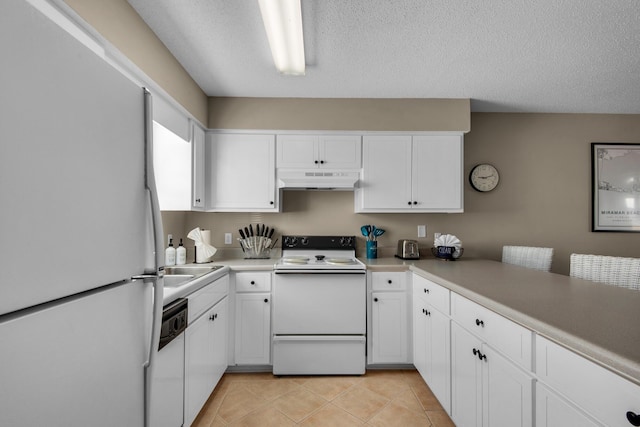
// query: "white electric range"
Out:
[319,307]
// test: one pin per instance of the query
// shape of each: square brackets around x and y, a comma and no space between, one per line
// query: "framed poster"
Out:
[615,183]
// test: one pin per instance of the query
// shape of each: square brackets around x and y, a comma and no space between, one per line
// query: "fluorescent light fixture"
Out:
[283,23]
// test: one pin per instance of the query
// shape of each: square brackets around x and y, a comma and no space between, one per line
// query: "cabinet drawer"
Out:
[554,411]
[513,340]
[433,294]
[253,282]
[598,391]
[388,281]
[204,298]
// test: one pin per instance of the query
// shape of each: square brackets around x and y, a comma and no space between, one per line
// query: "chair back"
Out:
[528,256]
[617,271]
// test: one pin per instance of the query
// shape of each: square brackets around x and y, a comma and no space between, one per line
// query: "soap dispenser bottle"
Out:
[181,254]
[170,254]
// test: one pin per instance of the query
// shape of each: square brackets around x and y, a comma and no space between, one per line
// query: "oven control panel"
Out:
[319,242]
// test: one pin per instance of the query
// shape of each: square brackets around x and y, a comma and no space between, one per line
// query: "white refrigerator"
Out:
[80,232]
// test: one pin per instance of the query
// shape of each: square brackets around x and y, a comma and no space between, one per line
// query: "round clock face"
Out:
[484,177]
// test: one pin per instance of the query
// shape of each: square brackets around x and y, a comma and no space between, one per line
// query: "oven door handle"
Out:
[323,338]
[321,272]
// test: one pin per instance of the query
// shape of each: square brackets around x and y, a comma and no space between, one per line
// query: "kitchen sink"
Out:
[194,271]
[178,276]
[175,280]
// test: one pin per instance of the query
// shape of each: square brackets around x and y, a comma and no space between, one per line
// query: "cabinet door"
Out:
[438,356]
[198,161]
[297,151]
[583,382]
[386,174]
[340,152]
[389,327]
[553,411]
[199,368]
[437,173]
[466,378]
[241,173]
[253,329]
[432,349]
[172,169]
[420,336]
[507,392]
[220,339]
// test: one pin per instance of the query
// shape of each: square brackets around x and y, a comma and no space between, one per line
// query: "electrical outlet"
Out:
[422,231]
[227,238]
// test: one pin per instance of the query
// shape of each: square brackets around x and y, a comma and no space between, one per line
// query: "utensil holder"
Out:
[372,249]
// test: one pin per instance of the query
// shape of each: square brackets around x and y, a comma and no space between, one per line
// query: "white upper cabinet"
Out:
[241,173]
[172,169]
[386,174]
[436,173]
[198,162]
[319,151]
[411,174]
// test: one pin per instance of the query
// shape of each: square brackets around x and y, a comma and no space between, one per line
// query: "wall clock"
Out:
[484,177]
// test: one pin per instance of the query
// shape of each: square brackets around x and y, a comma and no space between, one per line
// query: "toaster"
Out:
[407,249]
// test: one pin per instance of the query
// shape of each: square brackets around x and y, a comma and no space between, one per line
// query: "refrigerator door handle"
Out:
[154,336]
[157,267]
[156,218]
[158,285]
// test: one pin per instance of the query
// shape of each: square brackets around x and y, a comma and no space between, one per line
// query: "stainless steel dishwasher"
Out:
[167,383]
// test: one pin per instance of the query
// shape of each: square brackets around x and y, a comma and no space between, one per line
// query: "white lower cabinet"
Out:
[389,328]
[389,318]
[205,357]
[252,318]
[596,392]
[253,326]
[555,411]
[511,339]
[431,351]
[487,389]
[466,378]
[494,378]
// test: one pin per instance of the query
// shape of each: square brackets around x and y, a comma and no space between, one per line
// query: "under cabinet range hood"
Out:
[317,180]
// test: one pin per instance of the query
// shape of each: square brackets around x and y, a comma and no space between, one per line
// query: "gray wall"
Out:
[544,196]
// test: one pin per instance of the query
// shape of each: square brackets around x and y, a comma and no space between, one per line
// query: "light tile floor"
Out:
[378,398]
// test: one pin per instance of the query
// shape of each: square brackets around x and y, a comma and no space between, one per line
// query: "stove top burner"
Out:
[319,253]
[320,260]
[295,260]
[340,261]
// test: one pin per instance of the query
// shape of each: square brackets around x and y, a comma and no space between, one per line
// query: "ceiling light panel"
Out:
[283,24]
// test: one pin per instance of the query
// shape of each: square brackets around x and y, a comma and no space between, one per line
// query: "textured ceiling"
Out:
[574,56]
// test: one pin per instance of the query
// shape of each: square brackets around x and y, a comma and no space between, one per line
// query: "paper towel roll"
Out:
[202,239]
[206,240]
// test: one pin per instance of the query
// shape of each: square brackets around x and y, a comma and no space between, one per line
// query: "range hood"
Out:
[317,180]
